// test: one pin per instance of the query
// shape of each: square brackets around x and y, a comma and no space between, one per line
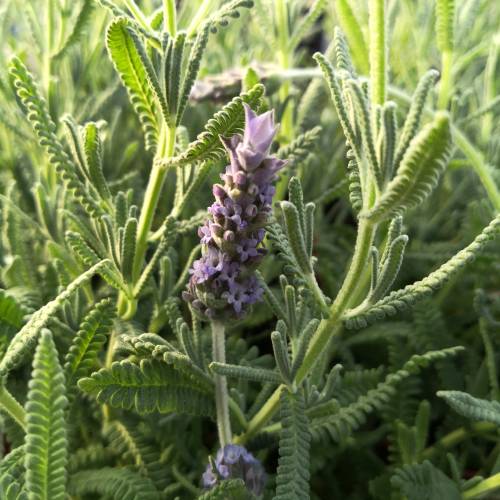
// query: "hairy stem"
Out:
[137,14]
[170,17]
[327,329]
[261,417]
[221,395]
[378,51]
[446,83]
[12,407]
[151,197]
[329,326]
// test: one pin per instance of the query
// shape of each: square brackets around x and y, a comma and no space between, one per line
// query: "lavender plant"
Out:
[326,327]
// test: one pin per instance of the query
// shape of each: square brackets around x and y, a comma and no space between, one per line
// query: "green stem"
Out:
[317,292]
[378,51]
[485,486]
[457,436]
[284,57]
[137,14]
[446,83]
[12,407]
[261,417]
[153,191]
[221,394]
[328,328]
[354,34]
[170,17]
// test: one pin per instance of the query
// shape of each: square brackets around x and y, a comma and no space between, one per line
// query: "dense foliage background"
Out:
[400,442]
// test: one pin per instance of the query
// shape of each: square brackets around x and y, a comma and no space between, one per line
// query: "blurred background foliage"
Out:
[77,77]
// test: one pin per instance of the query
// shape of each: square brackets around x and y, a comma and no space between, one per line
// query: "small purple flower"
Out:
[222,283]
[235,462]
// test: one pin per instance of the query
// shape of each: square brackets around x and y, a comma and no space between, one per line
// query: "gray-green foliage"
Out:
[369,368]
[46,442]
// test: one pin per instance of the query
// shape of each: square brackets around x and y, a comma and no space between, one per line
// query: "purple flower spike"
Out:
[235,462]
[222,284]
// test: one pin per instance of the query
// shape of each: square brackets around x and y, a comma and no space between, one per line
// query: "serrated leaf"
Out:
[423,163]
[292,482]
[116,483]
[147,387]
[93,159]
[226,122]
[473,408]
[425,482]
[46,445]
[193,67]
[89,339]
[130,67]
[35,109]
[26,338]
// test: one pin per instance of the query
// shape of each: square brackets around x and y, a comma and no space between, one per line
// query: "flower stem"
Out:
[221,395]
[12,407]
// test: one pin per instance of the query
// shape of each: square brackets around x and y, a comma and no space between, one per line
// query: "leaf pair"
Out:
[386,269]
[158,96]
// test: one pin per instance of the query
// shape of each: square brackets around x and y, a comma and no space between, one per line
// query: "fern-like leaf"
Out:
[341,423]
[412,121]
[419,172]
[46,445]
[292,482]
[226,122]
[425,482]
[12,312]
[193,66]
[129,65]
[26,338]
[150,386]
[306,23]
[76,34]
[86,344]
[12,476]
[37,113]
[118,484]
[400,300]
[471,407]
